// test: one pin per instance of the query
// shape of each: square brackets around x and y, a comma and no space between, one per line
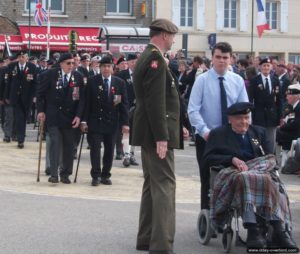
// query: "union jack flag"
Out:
[40,14]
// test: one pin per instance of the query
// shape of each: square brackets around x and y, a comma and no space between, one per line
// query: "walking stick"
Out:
[79,156]
[41,130]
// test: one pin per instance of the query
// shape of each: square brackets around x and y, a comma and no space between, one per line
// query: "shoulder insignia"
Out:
[154,64]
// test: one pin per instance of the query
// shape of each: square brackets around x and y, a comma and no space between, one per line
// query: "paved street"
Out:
[78,218]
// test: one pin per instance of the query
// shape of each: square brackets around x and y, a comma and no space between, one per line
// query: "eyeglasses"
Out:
[69,63]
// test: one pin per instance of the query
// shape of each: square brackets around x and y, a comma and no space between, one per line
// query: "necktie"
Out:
[106,86]
[223,101]
[65,80]
[22,68]
[267,87]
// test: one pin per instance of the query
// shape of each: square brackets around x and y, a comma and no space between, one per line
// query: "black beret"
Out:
[84,57]
[21,53]
[106,60]
[265,60]
[43,58]
[65,56]
[32,58]
[240,108]
[120,60]
[164,25]
[293,89]
[131,57]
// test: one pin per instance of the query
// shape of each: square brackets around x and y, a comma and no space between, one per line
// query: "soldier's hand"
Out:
[83,127]
[75,122]
[161,148]
[41,116]
[186,133]
[239,164]
[205,136]
[125,129]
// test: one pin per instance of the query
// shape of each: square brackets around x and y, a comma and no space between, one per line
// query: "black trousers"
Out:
[285,138]
[204,172]
[109,141]
[20,120]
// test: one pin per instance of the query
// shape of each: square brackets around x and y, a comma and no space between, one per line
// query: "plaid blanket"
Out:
[259,188]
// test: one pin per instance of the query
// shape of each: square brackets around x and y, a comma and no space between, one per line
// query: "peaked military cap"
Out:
[265,60]
[293,89]
[64,57]
[96,59]
[131,57]
[106,60]
[240,108]
[43,59]
[164,25]
[85,57]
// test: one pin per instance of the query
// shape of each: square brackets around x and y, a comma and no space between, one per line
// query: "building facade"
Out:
[231,20]
[78,15]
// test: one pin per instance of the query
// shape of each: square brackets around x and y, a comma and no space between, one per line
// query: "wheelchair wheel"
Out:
[227,239]
[203,227]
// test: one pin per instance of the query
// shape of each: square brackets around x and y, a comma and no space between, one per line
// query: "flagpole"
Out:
[252,27]
[48,32]
[29,28]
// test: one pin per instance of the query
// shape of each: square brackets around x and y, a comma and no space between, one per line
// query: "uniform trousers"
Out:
[61,144]
[271,136]
[157,211]
[8,120]
[109,141]
[20,119]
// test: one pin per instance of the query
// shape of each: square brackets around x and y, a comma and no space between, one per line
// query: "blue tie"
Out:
[106,86]
[223,101]
[65,80]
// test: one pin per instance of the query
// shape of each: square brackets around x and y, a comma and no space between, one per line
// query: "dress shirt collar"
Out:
[109,79]
[217,75]
[20,66]
[63,75]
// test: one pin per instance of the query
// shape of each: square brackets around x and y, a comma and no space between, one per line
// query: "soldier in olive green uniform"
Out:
[156,128]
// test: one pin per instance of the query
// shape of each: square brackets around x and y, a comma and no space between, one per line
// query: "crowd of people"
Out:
[153,104]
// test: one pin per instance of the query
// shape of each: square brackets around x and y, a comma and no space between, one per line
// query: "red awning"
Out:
[14,41]
[59,38]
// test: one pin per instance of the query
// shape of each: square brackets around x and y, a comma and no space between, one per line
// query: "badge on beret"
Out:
[154,64]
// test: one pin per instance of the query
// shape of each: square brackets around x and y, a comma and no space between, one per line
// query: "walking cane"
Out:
[79,156]
[41,130]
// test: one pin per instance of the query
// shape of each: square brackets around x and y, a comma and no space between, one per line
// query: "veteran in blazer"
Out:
[265,93]
[19,92]
[156,128]
[106,109]
[290,130]
[60,102]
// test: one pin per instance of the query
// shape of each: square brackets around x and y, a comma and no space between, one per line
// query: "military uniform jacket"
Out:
[21,85]
[3,80]
[60,104]
[293,122]
[222,145]
[157,113]
[267,106]
[125,75]
[101,113]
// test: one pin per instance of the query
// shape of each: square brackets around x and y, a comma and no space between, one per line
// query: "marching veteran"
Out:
[248,181]
[290,130]
[60,102]
[157,129]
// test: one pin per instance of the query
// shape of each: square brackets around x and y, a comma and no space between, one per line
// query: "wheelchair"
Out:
[230,232]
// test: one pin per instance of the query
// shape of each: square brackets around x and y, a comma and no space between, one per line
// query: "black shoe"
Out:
[126,161]
[105,181]
[254,238]
[142,247]
[47,172]
[133,161]
[65,179]
[282,239]
[6,139]
[95,182]
[53,179]
[119,157]
[20,145]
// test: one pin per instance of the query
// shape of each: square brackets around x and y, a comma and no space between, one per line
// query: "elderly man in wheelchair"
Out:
[247,182]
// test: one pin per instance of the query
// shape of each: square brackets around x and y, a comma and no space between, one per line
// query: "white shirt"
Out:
[269,81]
[108,83]
[63,75]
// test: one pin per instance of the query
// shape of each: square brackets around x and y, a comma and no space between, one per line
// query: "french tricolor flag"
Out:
[261,22]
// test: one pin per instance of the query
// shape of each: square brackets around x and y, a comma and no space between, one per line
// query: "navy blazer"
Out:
[101,115]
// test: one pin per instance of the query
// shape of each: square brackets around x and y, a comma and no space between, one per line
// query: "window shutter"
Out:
[244,15]
[200,14]
[220,14]
[176,12]
[284,11]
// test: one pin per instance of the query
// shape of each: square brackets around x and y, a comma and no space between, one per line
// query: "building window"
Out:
[118,7]
[294,58]
[57,6]
[230,13]
[186,13]
[272,14]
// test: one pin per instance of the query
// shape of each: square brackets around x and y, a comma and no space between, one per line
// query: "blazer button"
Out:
[100,118]
[60,108]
